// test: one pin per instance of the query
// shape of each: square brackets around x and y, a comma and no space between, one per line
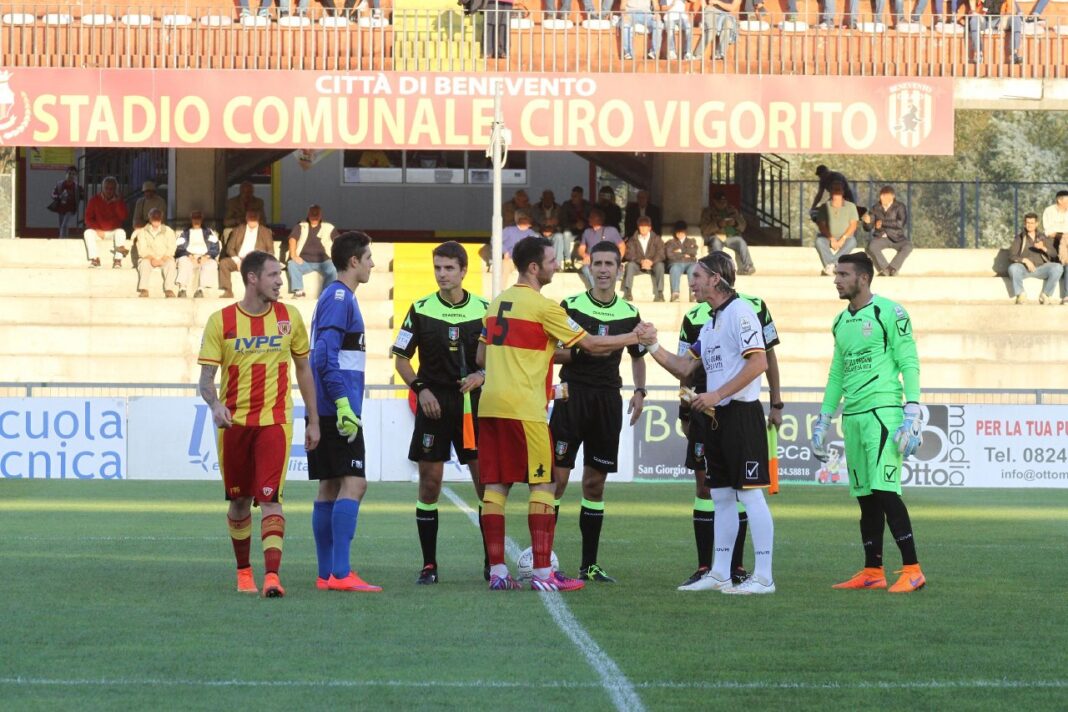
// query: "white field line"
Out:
[979,684]
[614,682]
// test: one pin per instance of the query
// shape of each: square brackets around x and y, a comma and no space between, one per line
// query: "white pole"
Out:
[496,152]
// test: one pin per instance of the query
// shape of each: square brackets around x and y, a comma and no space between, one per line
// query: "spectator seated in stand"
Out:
[1055,226]
[638,12]
[681,251]
[156,247]
[596,232]
[722,225]
[244,238]
[310,252]
[105,214]
[574,215]
[886,222]
[644,254]
[519,201]
[641,207]
[238,207]
[547,217]
[837,222]
[197,255]
[146,203]
[1030,259]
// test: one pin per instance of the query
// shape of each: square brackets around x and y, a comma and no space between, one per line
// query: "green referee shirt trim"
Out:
[426,507]
[598,506]
[703,505]
[556,503]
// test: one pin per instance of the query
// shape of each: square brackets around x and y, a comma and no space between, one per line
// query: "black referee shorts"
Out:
[336,456]
[591,417]
[695,441]
[433,440]
[736,447]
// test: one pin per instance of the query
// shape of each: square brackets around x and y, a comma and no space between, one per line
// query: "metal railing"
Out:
[942,213]
[191,36]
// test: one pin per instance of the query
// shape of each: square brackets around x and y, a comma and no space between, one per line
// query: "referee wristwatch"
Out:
[778,406]
[645,393]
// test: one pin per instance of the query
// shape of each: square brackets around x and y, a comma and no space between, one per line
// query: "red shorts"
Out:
[512,451]
[254,461]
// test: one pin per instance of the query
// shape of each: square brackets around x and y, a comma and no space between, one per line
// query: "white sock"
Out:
[725,530]
[499,570]
[543,573]
[761,528]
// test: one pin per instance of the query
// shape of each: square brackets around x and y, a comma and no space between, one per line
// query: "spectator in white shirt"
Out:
[198,248]
[1055,226]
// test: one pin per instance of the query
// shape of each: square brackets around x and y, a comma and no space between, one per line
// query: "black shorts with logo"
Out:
[335,456]
[695,441]
[736,447]
[433,440]
[593,418]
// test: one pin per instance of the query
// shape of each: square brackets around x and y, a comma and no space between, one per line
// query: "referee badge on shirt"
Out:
[284,327]
[699,449]
[428,441]
[561,447]
[602,329]
[866,329]
[454,333]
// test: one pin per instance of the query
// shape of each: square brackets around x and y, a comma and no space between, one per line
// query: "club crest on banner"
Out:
[14,110]
[910,113]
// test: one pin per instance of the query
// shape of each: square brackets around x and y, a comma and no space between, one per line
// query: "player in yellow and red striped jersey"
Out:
[252,341]
[518,342]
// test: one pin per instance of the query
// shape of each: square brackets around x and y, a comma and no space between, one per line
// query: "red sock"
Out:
[493,528]
[542,523]
[241,538]
[272,530]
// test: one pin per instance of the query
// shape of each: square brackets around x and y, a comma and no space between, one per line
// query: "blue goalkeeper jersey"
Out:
[339,356]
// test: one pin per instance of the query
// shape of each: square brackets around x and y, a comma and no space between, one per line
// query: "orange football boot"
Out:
[912,579]
[352,582]
[272,587]
[865,578]
[246,582]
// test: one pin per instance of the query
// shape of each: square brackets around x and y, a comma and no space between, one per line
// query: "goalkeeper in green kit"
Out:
[874,364]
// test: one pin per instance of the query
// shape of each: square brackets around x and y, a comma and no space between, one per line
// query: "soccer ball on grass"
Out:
[525,564]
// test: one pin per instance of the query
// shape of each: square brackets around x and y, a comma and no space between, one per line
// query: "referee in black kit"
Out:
[731,350]
[443,328]
[592,414]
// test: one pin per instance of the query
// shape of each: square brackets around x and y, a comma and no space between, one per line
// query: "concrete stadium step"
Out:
[70,252]
[778,288]
[926,261]
[131,311]
[108,282]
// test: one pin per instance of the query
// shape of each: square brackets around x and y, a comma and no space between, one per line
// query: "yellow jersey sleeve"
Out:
[299,345]
[559,325]
[211,344]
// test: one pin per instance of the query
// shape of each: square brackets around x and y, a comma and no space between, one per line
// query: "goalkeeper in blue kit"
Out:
[875,367]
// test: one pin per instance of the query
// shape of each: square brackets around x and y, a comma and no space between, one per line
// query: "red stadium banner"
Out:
[601,112]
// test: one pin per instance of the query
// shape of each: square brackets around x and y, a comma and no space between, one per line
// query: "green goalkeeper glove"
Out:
[348,423]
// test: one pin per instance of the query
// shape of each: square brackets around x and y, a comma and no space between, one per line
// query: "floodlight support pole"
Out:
[498,153]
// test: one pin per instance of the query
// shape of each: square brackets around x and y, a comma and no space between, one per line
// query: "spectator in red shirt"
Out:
[104,215]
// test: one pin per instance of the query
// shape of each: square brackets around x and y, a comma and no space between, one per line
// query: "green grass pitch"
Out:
[120,596]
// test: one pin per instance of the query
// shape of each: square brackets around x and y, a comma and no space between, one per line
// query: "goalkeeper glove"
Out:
[348,423]
[909,436]
[819,436]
